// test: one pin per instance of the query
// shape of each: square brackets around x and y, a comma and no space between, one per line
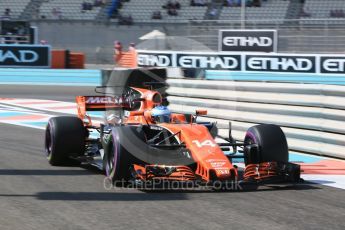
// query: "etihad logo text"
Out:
[22,56]
[334,65]
[211,62]
[248,41]
[160,60]
[295,64]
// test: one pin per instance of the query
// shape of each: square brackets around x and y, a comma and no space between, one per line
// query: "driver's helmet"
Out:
[161,114]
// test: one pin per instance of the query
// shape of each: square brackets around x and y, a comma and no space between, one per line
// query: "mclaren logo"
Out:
[102,100]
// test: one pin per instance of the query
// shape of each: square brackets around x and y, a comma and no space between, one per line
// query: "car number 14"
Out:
[204,143]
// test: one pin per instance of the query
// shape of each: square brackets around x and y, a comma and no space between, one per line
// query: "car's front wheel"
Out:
[271,144]
[118,157]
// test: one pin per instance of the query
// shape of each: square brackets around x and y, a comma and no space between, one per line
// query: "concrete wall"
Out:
[95,40]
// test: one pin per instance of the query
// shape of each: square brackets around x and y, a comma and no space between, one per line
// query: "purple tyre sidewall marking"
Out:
[51,144]
[251,135]
[116,147]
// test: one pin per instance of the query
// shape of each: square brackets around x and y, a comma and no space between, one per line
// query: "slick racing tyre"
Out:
[64,138]
[271,144]
[117,157]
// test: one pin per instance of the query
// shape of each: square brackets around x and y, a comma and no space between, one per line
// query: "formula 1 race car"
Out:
[141,142]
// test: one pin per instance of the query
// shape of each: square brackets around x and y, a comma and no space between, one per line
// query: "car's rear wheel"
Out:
[271,144]
[64,138]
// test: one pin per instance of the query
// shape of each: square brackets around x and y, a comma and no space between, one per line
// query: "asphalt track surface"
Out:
[35,195]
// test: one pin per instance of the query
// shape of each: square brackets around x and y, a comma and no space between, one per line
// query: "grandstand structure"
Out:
[316,9]
[303,26]
[141,11]
[67,10]
[16,7]
[269,10]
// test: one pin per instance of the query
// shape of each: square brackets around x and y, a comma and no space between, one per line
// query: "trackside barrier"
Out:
[25,56]
[58,59]
[126,59]
[311,115]
[245,62]
[64,59]
[76,60]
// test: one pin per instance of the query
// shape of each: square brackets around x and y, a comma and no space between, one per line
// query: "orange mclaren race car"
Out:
[141,142]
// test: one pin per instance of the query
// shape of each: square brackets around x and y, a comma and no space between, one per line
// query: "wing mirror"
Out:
[200,112]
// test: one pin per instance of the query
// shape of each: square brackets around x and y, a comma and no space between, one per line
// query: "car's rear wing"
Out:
[99,103]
